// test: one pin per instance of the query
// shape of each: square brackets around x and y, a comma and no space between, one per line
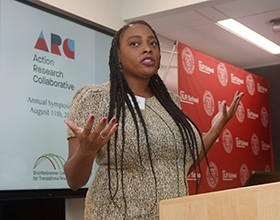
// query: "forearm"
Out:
[78,169]
[208,140]
[218,123]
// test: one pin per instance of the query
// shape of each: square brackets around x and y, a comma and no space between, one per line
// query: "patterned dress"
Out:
[142,184]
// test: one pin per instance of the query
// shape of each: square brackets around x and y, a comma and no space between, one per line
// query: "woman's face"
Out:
[139,52]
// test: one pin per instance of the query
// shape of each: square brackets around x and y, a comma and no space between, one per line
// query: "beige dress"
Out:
[142,190]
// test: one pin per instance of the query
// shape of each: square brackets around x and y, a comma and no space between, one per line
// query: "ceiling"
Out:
[196,27]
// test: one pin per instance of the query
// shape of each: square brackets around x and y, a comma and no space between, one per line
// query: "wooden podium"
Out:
[261,202]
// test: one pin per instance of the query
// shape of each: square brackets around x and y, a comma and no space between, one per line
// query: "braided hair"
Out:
[122,98]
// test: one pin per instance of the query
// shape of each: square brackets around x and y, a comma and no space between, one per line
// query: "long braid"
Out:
[182,121]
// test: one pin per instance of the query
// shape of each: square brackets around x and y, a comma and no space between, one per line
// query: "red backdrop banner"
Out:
[244,145]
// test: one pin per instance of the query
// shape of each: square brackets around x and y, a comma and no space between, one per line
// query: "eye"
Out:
[134,44]
[154,43]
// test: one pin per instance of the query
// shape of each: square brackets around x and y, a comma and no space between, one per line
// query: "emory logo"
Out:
[68,45]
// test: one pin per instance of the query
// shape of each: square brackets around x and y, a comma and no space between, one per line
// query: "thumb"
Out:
[72,126]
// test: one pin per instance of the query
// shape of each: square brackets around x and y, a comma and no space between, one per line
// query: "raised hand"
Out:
[92,139]
[226,113]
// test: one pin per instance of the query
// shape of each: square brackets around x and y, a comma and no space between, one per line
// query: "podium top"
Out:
[260,202]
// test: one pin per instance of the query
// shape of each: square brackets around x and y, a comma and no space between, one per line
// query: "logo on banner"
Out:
[228,176]
[222,74]
[208,103]
[212,175]
[261,89]
[204,68]
[236,80]
[255,144]
[240,112]
[252,115]
[188,60]
[56,45]
[250,83]
[241,143]
[267,168]
[264,117]
[244,173]
[186,98]
[265,146]
[227,141]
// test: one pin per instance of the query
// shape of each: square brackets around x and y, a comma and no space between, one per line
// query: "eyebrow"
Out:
[139,36]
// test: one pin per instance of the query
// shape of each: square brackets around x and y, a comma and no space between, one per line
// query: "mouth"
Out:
[148,61]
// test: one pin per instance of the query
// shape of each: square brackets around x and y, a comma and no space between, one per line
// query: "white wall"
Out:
[133,9]
[168,68]
[114,13]
[105,12]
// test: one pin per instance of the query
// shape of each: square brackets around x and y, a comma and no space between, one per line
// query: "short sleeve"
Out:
[90,99]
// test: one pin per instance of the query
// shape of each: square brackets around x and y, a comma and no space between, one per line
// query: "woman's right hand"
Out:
[84,147]
[92,139]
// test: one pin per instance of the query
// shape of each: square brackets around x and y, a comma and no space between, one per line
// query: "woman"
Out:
[135,131]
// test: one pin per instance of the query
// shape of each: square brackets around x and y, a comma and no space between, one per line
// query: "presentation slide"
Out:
[44,60]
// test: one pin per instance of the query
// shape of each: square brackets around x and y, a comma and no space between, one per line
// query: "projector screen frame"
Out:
[22,194]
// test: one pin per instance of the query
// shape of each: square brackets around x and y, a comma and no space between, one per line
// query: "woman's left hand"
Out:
[226,113]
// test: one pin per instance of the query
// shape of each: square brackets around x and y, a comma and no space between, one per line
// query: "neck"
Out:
[140,88]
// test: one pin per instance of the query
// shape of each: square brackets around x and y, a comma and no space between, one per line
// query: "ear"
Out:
[159,61]
[119,59]
[119,56]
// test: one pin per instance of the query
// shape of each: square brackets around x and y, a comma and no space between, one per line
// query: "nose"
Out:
[147,48]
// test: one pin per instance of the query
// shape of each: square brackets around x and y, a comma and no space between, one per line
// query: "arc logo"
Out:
[56,45]
[56,161]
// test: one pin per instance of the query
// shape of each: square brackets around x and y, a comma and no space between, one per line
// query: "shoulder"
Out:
[89,99]
[92,91]
[175,97]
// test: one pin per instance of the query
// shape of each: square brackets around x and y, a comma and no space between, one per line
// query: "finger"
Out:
[99,127]
[240,95]
[89,124]
[108,128]
[223,107]
[235,102]
[111,131]
[237,99]
[76,130]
